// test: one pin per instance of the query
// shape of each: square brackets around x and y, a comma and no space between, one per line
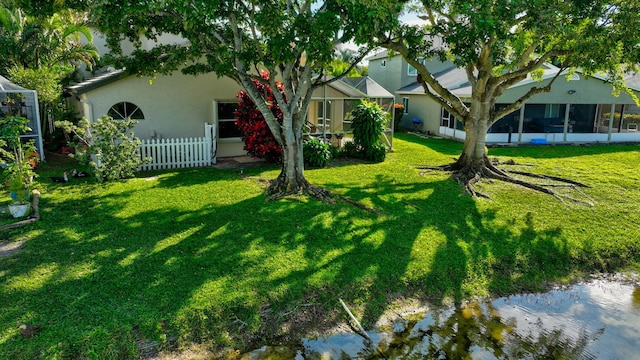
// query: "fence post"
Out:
[210,143]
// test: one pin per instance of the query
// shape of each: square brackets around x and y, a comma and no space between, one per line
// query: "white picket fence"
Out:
[179,152]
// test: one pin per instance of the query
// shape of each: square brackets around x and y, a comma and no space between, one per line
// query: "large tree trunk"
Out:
[473,153]
[291,179]
[474,165]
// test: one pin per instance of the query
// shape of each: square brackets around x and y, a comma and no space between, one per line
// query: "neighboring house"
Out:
[178,106]
[580,110]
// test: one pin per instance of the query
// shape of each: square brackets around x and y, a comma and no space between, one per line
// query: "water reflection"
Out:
[587,321]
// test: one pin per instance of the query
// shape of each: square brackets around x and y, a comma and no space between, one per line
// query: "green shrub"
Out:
[376,153]
[316,153]
[368,124]
[115,148]
[335,151]
[112,146]
[351,150]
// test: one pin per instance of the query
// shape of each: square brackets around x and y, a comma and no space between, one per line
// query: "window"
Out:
[446,119]
[383,63]
[126,110]
[405,102]
[320,112]
[226,111]
[508,124]
[552,110]
[316,121]
[411,71]
[449,121]
[582,118]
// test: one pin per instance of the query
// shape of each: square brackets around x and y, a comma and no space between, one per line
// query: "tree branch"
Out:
[441,94]
[518,103]
[353,65]
[470,68]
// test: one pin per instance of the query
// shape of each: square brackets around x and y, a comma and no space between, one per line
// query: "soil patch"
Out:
[10,248]
[238,162]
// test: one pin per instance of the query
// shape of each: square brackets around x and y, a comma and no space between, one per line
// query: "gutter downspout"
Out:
[90,106]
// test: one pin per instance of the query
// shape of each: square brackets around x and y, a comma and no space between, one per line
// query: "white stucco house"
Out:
[582,109]
[178,106]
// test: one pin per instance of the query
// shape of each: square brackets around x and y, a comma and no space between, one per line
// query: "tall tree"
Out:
[293,40]
[501,42]
[42,50]
[34,42]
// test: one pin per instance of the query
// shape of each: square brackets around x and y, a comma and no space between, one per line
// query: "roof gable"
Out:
[353,88]
[368,86]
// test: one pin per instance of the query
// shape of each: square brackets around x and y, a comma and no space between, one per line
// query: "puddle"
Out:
[596,320]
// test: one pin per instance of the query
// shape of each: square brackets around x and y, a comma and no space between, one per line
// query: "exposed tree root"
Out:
[468,174]
[281,187]
[357,204]
[496,161]
[549,177]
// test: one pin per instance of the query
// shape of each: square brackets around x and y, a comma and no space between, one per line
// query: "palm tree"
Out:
[41,52]
[34,42]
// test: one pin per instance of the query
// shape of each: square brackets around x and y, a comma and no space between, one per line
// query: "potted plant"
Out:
[18,172]
[19,180]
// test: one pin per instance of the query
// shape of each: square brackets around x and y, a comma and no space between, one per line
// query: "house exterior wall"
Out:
[395,74]
[177,106]
[173,106]
[390,76]
[425,109]
[581,90]
[587,91]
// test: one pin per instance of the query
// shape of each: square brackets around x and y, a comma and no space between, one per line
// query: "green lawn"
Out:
[197,255]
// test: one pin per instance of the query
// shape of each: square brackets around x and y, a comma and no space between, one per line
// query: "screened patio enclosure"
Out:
[328,116]
[18,101]
[558,123]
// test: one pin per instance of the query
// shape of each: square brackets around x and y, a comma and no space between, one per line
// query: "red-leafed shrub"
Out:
[258,139]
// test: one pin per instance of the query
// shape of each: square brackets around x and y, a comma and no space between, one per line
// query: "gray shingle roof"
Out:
[368,86]
[453,78]
[355,88]
[98,81]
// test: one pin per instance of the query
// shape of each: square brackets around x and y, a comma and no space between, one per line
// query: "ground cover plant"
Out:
[116,270]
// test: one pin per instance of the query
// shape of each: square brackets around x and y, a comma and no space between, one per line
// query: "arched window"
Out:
[124,110]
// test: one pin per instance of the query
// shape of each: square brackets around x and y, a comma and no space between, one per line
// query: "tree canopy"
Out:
[502,42]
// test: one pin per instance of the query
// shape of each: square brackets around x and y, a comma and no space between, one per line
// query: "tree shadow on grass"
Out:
[446,249]
[230,269]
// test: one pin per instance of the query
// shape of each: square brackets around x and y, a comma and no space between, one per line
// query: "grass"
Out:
[198,256]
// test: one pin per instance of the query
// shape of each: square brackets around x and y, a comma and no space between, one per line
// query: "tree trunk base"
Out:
[469,173]
[282,187]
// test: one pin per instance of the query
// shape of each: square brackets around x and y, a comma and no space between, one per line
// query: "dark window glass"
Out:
[508,124]
[226,121]
[228,129]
